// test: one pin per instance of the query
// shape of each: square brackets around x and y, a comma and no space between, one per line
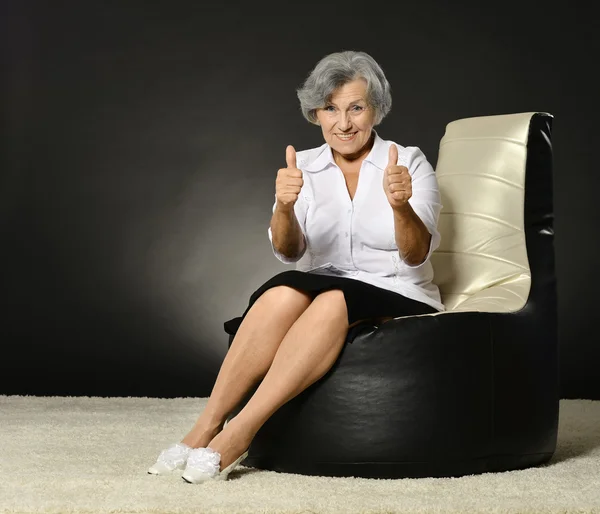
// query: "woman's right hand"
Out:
[289,181]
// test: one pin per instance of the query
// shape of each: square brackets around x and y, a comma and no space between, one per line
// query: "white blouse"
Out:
[356,238]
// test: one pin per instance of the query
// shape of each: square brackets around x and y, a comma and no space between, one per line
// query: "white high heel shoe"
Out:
[203,464]
[170,459]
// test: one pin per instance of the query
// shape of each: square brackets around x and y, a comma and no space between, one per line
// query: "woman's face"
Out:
[347,112]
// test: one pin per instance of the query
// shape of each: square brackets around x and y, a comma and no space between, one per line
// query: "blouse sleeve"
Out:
[426,199]
[300,208]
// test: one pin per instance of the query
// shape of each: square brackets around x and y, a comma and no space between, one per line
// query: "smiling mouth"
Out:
[347,137]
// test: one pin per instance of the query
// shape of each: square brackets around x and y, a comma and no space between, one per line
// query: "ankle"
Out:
[211,423]
[199,435]
[242,427]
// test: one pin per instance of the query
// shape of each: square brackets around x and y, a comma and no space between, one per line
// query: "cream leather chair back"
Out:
[481,263]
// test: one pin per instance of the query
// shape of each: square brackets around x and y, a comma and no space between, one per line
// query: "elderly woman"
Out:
[358,215]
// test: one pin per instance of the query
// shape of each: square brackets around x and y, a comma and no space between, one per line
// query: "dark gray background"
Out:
[142,141]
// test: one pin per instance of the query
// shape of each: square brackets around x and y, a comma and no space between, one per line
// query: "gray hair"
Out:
[337,69]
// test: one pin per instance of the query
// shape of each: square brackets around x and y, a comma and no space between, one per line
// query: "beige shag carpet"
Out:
[91,455]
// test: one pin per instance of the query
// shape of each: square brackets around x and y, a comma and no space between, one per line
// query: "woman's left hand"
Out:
[397,182]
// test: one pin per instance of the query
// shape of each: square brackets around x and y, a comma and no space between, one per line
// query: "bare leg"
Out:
[307,352]
[249,357]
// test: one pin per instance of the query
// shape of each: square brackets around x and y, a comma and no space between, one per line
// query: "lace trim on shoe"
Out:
[175,455]
[206,460]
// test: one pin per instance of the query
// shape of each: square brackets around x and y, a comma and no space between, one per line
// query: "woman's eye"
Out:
[356,107]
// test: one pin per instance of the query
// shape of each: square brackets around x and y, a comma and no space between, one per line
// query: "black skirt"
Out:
[363,301]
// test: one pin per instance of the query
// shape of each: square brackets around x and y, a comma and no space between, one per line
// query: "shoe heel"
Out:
[225,473]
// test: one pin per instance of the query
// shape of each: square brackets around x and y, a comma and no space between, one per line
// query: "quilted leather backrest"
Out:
[481,263]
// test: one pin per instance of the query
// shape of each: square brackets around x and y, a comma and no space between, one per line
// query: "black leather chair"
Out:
[469,390]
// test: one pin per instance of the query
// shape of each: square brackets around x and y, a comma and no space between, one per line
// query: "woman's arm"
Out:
[287,237]
[412,236]
[416,230]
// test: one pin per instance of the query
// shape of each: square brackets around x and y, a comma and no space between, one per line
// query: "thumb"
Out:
[393,155]
[290,156]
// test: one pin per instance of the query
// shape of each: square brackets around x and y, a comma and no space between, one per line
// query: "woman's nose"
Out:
[344,125]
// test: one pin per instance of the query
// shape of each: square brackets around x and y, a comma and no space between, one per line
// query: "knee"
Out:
[334,301]
[332,295]
[287,296]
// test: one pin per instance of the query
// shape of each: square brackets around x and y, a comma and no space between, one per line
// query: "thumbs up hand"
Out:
[289,181]
[290,156]
[397,182]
